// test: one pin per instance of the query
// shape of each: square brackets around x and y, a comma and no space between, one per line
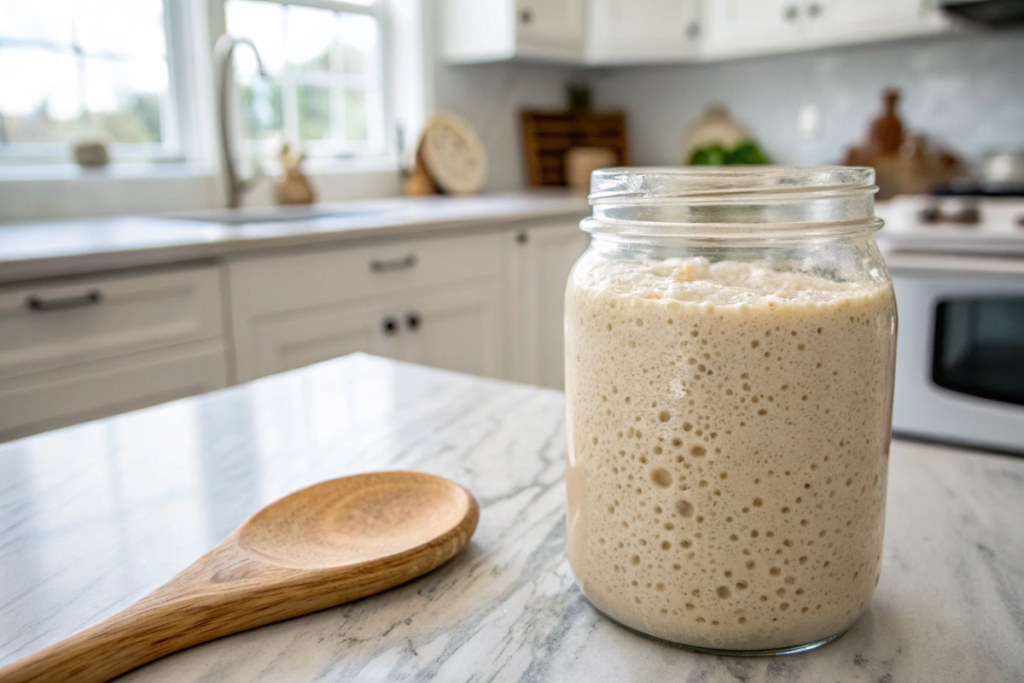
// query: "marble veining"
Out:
[94,516]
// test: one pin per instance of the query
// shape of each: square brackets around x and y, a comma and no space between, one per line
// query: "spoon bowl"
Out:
[324,545]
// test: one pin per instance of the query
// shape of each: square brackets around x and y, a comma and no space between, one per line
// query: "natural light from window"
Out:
[324,93]
[77,69]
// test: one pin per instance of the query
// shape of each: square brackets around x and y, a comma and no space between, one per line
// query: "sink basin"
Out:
[273,214]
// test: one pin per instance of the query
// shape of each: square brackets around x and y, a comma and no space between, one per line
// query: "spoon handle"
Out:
[192,608]
[128,639]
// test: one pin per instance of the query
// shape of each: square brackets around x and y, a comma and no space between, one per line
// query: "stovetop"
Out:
[953,224]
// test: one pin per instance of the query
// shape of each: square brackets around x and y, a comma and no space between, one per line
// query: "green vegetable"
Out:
[747,153]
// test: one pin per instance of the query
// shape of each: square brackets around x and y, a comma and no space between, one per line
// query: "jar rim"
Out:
[635,184]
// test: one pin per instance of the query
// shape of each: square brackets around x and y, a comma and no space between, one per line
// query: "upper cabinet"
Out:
[628,31]
[619,32]
[494,30]
[739,28]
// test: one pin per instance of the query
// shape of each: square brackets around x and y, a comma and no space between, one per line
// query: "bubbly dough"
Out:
[728,436]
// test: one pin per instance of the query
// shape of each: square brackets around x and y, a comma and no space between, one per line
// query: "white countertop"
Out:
[47,249]
[60,248]
[95,516]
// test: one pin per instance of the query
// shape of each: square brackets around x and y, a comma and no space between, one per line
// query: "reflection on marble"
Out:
[92,517]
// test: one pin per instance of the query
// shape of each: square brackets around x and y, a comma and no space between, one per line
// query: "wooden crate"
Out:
[548,135]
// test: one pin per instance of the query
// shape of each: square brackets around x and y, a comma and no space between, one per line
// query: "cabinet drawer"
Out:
[53,324]
[295,281]
[67,396]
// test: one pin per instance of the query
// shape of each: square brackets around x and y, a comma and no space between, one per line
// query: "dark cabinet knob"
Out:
[526,15]
[390,326]
[413,321]
[693,29]
[790,13]
[815,10]
[522,238]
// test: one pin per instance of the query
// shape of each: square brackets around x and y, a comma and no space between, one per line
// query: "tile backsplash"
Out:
[964,91]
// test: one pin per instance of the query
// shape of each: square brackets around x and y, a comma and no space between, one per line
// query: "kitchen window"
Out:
[323,89]
[76,69]
[131,72]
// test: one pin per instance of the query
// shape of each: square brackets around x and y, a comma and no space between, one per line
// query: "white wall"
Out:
[965,92]
[490,97]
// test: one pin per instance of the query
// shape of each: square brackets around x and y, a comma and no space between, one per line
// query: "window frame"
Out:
[173,148]
[339,155]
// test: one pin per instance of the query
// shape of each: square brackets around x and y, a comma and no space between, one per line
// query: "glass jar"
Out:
[730,341]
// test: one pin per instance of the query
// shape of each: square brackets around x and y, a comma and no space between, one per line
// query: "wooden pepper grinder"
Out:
[293,187]
[886,133]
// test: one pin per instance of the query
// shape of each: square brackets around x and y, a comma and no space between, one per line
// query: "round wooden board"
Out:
[453,154]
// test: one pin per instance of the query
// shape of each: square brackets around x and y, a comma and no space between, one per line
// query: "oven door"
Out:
[960,357]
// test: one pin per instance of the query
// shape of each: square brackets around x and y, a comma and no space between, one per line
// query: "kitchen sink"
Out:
[273,214]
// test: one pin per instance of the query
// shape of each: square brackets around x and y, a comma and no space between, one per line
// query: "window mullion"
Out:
[290,95]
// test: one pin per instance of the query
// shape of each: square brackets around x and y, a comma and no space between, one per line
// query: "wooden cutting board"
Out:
[548,135]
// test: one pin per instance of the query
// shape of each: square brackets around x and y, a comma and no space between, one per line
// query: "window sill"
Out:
[270,167]
[43,172]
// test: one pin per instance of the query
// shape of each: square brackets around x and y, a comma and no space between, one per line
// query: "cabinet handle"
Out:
[523,238]
[90,298]
[389,265]
[790,13]
[815,10]
[412,321]
[693,30]
[390,326]
[526,15]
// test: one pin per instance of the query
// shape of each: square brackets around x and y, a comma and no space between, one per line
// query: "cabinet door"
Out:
[539,262]
[834,20]
[286,342]
[549,28]
[624,31]
[297,308]
[749,26]
[454,328]
[65,396]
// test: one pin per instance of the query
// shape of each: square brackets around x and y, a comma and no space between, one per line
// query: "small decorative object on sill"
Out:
[451,156]
[716,139]
[292,186]
[903,164]
[549,135]
[419,184]
[580,162]
[91,153]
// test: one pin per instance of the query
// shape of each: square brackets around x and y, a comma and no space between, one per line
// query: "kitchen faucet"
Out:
[222,53]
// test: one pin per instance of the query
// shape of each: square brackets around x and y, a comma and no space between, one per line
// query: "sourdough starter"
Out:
[728,435]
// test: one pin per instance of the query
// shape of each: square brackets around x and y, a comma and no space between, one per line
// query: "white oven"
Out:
[960,354]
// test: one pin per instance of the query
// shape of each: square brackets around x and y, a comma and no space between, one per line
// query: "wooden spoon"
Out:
[333,542]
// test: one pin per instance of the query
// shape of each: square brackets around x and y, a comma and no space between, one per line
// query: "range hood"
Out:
[993,13]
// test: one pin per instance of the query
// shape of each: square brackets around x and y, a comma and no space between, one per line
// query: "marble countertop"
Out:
[95,516]
[48,249]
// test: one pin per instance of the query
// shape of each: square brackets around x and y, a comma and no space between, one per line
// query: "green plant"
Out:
[747,153]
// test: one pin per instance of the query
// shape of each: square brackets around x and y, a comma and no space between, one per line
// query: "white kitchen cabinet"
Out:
[305,336]
[739,28]
[87,347]
[69,395]
[846,21]
[493,30]
[454,328]
[293,309]
[539,260]
[450,327]
[55,323]
[633,31]
[620,32]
